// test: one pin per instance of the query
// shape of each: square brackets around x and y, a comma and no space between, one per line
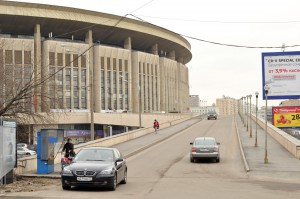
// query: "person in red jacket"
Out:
[155,125]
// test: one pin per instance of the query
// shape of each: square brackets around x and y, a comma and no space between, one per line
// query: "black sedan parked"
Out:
[95,167]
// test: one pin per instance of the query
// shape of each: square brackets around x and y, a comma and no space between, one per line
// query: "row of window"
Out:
[15,57]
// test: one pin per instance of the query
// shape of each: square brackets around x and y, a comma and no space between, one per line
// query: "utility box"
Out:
[49,142]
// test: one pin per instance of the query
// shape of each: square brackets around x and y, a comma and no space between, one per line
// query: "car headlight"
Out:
[67,171]
[107,172]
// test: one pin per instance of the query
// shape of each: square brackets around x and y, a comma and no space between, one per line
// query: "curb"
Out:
[241,148]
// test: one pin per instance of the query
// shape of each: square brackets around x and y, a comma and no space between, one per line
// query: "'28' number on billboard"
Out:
[296,117]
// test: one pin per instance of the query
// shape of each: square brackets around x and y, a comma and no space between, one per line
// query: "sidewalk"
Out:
[282,165]
[134,146]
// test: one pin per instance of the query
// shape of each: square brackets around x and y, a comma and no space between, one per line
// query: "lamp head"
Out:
[256,94]
[266,88]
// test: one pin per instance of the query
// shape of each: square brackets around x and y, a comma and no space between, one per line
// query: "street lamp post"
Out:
[256,95]
[247,116]
[250,117]
[266,88]
[242,110]
[245,111]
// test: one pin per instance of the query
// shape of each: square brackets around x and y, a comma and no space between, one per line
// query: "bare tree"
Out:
[19,84]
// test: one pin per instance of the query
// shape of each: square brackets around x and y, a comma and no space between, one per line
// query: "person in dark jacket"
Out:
[69,148]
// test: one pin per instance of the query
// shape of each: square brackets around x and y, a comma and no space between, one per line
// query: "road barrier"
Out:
[287,141]
[30,163]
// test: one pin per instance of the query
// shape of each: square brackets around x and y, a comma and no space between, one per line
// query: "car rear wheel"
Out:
[218,160]
[124,181]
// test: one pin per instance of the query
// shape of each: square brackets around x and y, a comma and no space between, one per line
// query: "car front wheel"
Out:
[66,187]
[124,181]
[114,185]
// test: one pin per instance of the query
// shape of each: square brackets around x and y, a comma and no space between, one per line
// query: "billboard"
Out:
[7,146]
[286,116]
[281,71]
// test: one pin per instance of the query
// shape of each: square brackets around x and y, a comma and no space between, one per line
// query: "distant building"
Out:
[194,101]
[204,109]
[227,106]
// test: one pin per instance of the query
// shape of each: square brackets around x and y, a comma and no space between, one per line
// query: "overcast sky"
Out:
[216,70]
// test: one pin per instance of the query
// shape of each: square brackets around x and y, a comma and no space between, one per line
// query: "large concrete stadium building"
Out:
[116,63]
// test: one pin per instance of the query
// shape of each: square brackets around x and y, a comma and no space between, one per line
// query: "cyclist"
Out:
[155,125]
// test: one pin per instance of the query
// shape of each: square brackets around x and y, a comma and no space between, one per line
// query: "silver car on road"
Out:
[205,147]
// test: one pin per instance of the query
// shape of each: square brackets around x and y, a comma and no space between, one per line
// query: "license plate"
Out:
[204,150]
[85,179]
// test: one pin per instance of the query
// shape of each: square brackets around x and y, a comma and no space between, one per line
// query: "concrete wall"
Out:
[29,164]
[288,142]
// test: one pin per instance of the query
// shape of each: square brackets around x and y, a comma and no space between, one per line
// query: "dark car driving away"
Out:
[95,167]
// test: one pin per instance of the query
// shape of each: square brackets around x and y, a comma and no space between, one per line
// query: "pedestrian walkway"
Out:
[134,146]
[281,166]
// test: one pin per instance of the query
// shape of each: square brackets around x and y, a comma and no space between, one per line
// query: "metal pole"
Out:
[256,95]
[242,111]
[250,120]
[266,143]
[247,112]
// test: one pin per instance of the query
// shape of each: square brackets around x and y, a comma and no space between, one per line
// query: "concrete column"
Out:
[154,49]
[38,68]
[179,98]
[105,84]
[135,82]
[151,76]
[118,79]
[97,79]
[146,88]
[127,43]
[162,86]
[158,88]
[45,74]
[89,41]
[142,90]
[130,85]
[171,55]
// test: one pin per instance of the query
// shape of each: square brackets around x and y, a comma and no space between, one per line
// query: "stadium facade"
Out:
[87,57]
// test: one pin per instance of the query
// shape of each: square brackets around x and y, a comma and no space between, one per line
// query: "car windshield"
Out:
[201,142]
[95,155]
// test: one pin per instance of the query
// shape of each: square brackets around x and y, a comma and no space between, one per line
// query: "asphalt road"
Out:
[164,171]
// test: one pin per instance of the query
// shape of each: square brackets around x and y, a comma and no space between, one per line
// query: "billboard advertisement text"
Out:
[286,116]
[281,71]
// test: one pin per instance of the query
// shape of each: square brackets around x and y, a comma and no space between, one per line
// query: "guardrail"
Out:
[287,141]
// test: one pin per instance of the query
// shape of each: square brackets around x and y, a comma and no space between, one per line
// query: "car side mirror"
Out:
[119,161]
[191,143]
[218,143]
